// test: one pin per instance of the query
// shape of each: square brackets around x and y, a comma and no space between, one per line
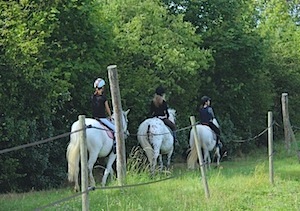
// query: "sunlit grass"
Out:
[241,184]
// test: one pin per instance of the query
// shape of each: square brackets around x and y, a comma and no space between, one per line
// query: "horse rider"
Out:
[100,106]
[159,108]
[207,115]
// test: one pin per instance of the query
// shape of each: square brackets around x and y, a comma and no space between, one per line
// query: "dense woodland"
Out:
[244,54]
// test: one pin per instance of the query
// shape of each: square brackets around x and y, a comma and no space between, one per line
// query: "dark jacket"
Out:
[98,106]
[161,110]
[206,115]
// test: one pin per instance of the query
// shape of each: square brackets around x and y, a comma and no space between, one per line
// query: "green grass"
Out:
[241,184]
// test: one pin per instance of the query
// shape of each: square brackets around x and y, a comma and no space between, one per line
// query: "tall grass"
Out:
[241,184]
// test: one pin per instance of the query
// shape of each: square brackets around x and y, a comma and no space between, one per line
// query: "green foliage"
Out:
[243,54]
[9,166]
[40,52]
[154,47]
[237,81]
[281,38]
[22,38]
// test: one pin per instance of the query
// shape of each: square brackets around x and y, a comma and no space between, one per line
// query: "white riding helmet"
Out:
[99,83]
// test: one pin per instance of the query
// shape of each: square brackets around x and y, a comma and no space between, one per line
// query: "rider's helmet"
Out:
[160,91]
[99,83]
[204,99]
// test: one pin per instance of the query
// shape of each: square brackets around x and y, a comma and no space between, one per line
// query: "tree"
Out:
[156,48]
[237,82]
[280,32]
[46,54]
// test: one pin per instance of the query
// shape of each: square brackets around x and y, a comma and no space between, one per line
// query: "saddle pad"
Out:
[108,130]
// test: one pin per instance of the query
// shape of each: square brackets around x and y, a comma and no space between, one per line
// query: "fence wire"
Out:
[90,126]
[113,187]
[100,188]
[37,142]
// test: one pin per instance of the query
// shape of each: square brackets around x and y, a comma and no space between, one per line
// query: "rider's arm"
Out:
[107,108]
[211,113]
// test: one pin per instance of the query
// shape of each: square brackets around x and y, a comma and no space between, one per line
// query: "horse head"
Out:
[216,123]
[124,120]
[172,115]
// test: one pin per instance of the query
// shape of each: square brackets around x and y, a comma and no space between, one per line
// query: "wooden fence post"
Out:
[83,162]
[288,132]
[117,108]
[200,157]
[270,144]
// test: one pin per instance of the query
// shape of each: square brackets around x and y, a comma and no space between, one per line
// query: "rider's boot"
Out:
[175,138]
[114,147]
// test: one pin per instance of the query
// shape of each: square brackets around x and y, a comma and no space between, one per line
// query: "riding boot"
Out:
[175,138]
[114,147]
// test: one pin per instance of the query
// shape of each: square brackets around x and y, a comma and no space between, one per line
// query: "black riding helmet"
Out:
[204,99]
[160,91]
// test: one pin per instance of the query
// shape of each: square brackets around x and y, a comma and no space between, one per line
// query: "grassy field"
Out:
[240,184]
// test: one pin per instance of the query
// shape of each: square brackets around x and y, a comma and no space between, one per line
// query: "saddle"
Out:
[215,136]
[108,131]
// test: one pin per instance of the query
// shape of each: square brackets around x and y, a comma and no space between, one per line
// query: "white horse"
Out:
[99,144]
[208,139]
[156,139]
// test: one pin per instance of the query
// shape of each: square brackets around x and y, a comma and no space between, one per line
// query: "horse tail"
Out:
[144,138]
[193,155]
[73,152]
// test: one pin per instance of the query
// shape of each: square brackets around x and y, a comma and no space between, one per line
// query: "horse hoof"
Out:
[91,188]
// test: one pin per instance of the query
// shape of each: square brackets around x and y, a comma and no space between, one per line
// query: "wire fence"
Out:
[257,136]
[101,188]
[114,187]
[157,134]
[68,134]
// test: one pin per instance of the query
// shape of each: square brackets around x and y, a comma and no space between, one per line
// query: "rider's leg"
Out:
[216,130]
[112,127]
[108,124]
[172,126]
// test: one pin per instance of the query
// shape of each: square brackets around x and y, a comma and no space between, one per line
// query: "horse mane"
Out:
[172,113]
[216,123]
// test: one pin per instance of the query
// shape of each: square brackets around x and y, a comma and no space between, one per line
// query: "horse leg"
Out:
[206,159]
[169,159]
[217,153]
[76,188]
[92,160]
[154,159]
[161,164]
[108,170]
[112,173]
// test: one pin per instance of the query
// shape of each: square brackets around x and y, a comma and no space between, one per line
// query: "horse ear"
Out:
[126,112]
